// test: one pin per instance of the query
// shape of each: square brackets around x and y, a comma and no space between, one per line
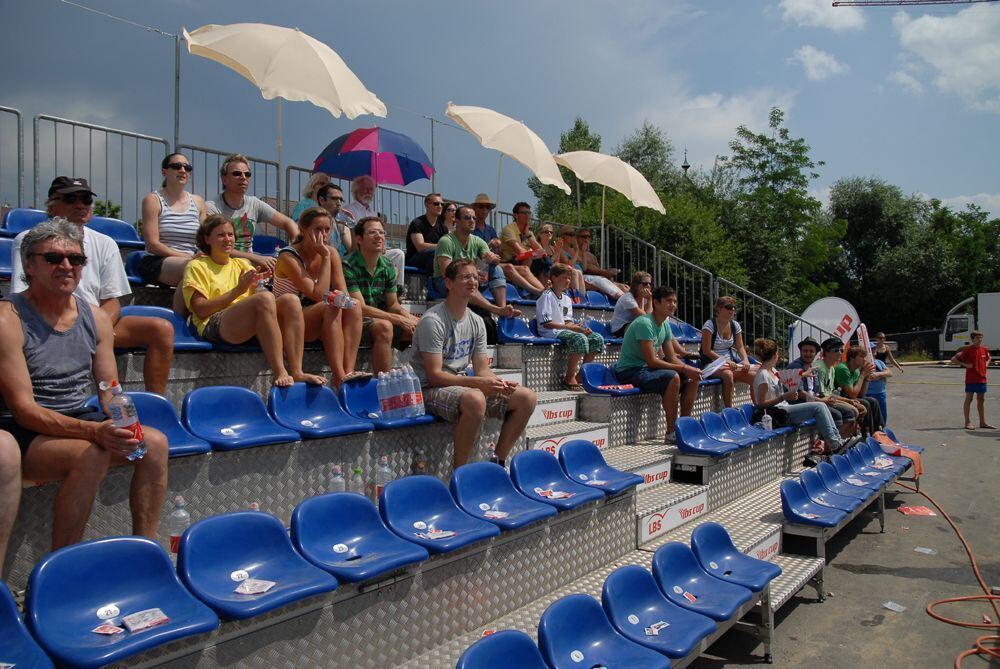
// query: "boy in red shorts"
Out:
[975,358]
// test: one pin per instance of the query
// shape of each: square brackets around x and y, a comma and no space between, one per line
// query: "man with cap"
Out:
[844,415]
[103,281]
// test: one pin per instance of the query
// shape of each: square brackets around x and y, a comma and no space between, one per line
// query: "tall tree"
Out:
[554,204]
[649,151]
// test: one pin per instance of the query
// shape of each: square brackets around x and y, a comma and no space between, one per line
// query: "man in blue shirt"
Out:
[876,387]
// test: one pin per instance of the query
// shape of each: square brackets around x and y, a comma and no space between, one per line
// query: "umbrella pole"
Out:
[579,214]
[280,206]
[434,173]
[604,236]
[499,173]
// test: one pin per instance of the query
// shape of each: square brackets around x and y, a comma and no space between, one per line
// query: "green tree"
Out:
[648,150]
[553,203]
[107,208]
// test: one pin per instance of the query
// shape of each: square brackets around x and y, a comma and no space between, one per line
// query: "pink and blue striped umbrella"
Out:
[386,156]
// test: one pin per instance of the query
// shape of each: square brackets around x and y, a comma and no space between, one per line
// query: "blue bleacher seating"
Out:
[487,294]
[737,423]
[912,447]
[230,417]
[484,487]
[847,474]
[543,333]
[717,555]
[633,602]
[185,336]
[410,269]
[858,463]
[717,429]
[582,461]
[124,234]
[421,505]
[68,588]
[216,554]
[574,632]
[313,411]
[516,331]
[514,296]
[432,291]
[503,649]
[538,475]
[819,493]
[132,261]
[594,375]
[598,300]
[19,648]
[748,409]
[6,258]
[19,220]
[603,329]
[692,440]
[684,332]
[156,411]
[833,483]
[267,245]
[360,398]
[342,533]
[871,450]
[683,581]
[798,508]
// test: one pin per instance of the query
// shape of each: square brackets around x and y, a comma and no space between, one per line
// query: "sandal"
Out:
[356,376]
[574,387]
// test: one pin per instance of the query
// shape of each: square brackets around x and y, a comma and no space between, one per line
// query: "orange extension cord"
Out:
[980,648]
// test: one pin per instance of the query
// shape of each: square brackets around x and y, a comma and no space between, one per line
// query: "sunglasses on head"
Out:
[237,173]
[73,198]
[187,167]
[53,258]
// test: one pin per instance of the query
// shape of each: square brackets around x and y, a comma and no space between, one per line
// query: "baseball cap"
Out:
[65,185]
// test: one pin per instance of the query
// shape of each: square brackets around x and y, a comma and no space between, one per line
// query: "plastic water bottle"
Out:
[358,481]
[177,522]
[411,389]
[384,400]
[419,465]
[767,422]
[418,393]
[395,395]
[335,298]
[254,506]
[261,286]
[125,416]
[337,482]
[383,475]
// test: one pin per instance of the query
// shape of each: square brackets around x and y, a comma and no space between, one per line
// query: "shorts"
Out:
[366,334]
[975,388]
[445,403]
[582,344]
[213,329]
[648,380]
[24,437]
[149,268]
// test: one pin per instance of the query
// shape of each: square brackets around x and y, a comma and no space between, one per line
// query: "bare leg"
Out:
[10,489]
[178,303]
[257,315]
[520,406]
[727,386]
[381,333]
[157,336]
[688,396]
[292,330]
[670,403]
[472,411]
[965,411]
[981,408]
[572,366]
[172,270]
[351,322]
[149,483]
[323,322]
[529,278]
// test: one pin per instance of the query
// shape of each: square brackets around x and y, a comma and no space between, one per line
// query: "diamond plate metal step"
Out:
[555,406]
[796,572]
[648,461]
[552,437]
[666,506]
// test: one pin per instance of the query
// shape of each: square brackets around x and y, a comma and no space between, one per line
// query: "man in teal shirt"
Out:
[647,360]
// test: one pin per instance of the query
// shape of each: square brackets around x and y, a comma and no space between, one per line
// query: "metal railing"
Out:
[760,317]
[13,157]
[121,166]
[694,287]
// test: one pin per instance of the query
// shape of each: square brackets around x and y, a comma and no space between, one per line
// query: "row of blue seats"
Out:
[337,537]
[521,331]
[643,619]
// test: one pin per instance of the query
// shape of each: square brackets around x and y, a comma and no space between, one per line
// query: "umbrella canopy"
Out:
[286,63]
[614,173]
[389,157]
[511,138]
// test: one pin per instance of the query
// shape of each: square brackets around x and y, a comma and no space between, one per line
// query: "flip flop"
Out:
[356,376]
[575,387]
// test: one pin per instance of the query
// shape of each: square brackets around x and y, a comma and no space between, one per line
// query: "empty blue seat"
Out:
[484,490]
[132,261]
[19,648]
[538,475]
[717,429]
[267,245]
[410,269]
[503,649]
[861,467]
[872,451]
[342,533]
[158,412]
[74,589]
[513,330]
[124,234]
[230,417]
[847,474]
[633,603]
[683,581]
[598,300]
[798,508]
[420,509]
[514,296]
[582,461]
[185,337]
[717,555]
[819,493]
[833,482]
[600,379]
[691,439]
[360,398]
[219,553]
[313,411]
[685,333]
[6,258]
[21,219]
[892,435]
[737,423]
[574,633]
[603,329]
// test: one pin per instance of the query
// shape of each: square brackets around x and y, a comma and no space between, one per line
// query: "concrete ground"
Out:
[851,629]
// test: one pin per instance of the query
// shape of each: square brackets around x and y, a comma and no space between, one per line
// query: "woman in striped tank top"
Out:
[308,268]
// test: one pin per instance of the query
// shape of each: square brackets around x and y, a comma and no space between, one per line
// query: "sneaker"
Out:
[818,448]
[670,439]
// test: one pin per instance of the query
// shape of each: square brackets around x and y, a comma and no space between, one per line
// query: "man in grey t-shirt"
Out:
[449,337]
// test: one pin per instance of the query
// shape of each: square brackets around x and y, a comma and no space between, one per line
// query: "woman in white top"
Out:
[722,336]
[170,219]
[767,393]
[636,302]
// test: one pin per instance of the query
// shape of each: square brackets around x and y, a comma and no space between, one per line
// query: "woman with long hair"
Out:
[722,336]
[636,302]
[316,181]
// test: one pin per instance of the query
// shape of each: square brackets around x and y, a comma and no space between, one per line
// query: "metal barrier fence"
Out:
[760,317]
[121,166]
[694,287]
[11,154]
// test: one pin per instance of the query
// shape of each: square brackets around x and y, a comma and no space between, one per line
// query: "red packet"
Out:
[916,511]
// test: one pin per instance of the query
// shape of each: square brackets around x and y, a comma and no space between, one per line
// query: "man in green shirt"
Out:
[648,361]
[851,378]
[826,367]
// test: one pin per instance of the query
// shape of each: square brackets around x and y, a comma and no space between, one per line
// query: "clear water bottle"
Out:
[337,482]
[383,475]
[124,415]
[254,506]
[261,286]
[358,481]
[418,393]
[410,397]
[335,298]
[419,465]
[396,397]
[384,400]
[177,522]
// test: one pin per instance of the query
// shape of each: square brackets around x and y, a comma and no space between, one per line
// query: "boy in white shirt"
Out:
[554,311]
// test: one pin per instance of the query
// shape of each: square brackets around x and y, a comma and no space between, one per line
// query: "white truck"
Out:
[979,312]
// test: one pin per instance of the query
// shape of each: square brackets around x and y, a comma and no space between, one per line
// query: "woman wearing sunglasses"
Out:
[722,336]
[636,302]
[448,215]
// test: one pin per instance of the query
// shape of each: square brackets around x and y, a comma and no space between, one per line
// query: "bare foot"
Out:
[283,380]
[986,426]
[311,379]
[970,426]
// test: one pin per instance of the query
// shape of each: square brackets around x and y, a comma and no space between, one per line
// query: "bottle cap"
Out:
[179,501]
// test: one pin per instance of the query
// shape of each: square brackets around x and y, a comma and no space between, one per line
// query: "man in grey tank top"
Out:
[57,346]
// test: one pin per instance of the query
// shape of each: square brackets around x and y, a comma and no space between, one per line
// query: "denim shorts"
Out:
[648,380]
[975,388]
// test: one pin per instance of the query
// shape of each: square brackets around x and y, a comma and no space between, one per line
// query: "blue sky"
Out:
[910,96]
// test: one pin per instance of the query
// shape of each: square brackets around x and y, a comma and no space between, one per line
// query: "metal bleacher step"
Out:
[666,506]
[552,437]
[554,406]
[651,461]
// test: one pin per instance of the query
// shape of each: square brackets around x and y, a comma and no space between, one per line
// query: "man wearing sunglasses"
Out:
[851,411]
[331,198]
[103,281]
[424,232]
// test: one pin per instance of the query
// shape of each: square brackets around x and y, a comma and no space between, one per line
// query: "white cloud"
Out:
[962,49]
[987,201]
[822,14]
[907,81]
[818,65]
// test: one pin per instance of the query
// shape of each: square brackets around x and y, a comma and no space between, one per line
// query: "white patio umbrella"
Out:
[612,172]
[511,138]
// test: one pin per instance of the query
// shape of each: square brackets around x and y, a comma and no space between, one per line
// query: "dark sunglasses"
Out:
[467,218]
[436,204]
[72,198]
[187,167]
[237,173]
[335,198]
[53,258]
[646,283]
[729,307]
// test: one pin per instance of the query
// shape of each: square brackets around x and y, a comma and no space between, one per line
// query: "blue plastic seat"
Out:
[819,493]
[538,475]
[6,257]
[892,435]
[737,423]
[132,261]
[748,410]
[847,474]
[230,417]
[342,533]
[482,488]
[542,333]
[158,412]
[267,245]
[185,336]
[125,235]
[691,439]
[514,296]
[313,411]
[872,450]
[594,375]
[19,648]
[120,576]
[432,290]
[683,581]
[513,330]
[574,633]
[503,649]
[717,555]
[216,554]
[487,294]
[862,468]
[685,333]
[717,429]
[582,461]
[21,219]
[603,329]
[833,483]
[598,300]
[798,508]
[633,602]
[360,398]
[410,269]
[421,505]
